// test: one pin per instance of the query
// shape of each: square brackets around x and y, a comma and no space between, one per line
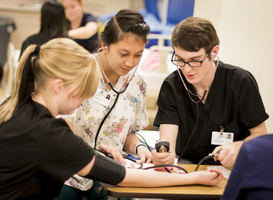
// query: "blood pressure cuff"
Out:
[106,170]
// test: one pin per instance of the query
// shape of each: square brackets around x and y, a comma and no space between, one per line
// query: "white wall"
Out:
[245,29]
[26,14]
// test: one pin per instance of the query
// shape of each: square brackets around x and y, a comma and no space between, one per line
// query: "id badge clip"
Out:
[221,137]
[102,97]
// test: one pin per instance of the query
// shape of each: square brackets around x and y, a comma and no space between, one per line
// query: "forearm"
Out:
[143,178]
[165,130]
[117,174]
[130,143]
[84,32]
[169,132]
[257,131]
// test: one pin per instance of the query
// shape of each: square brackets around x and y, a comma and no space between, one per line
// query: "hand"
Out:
[113,151]
[144,154]
[228,154]
[208,177]
[163,158]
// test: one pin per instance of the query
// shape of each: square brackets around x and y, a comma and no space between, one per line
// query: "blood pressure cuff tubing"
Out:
[106,170]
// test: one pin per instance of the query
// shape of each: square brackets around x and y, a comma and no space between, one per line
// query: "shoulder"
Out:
[37,39]
[89,18]
[260,145]
[234,75]
[172,76]
[139,77]
[253,149]
[138,84]
[48,123]
[234,71]
[54,131]
[258,153]
[172,80]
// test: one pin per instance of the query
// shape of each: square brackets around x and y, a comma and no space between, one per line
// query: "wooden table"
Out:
[173,192]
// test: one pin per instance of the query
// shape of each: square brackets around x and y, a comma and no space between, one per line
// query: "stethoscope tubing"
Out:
[127,81]
[126,84]
[197,107]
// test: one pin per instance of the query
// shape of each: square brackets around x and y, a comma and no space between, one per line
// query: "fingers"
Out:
[114,152]
[162,158]
[227,155]
[209,177]
[219,148]
[149,159]
[142,158]
[217,176]
[144,155]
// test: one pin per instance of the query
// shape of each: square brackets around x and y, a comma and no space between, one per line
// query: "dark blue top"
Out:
[251,177]
[91,43]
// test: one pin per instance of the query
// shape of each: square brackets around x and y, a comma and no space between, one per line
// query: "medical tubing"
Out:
[128,80]
[201,161]
[103,120]
[109,83]
[196,122]
[165,165]
[144,141]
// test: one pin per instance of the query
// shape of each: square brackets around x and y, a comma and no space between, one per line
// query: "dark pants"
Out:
[94,193]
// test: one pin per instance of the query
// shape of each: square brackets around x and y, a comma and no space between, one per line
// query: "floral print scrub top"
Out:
[129,115]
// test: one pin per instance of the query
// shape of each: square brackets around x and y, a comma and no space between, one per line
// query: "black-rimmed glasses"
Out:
[182,63]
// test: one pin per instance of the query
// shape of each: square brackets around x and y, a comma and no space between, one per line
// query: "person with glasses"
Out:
[39,152]
[205,100]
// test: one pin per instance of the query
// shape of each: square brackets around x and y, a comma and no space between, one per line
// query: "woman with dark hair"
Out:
[114,121]
[39,152]
[53,25]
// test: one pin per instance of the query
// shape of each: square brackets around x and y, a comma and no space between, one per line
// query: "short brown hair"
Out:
[194,33]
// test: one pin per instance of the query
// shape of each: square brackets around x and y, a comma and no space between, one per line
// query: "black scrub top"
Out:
[38,153]
[233,102]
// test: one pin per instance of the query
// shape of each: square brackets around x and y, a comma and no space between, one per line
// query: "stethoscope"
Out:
[124,86]
[196,102]
[204,93]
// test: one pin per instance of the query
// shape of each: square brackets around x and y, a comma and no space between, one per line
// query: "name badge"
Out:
[221,138]
[102,97]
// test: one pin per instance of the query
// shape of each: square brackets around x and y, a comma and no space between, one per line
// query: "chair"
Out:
[173,11]
[163,15]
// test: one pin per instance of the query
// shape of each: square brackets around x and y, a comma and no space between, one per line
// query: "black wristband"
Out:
[139,144]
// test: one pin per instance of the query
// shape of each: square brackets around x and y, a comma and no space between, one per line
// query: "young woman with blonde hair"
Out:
[39,152]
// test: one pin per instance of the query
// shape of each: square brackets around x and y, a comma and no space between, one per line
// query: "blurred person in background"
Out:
[83,26]
[53,25]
